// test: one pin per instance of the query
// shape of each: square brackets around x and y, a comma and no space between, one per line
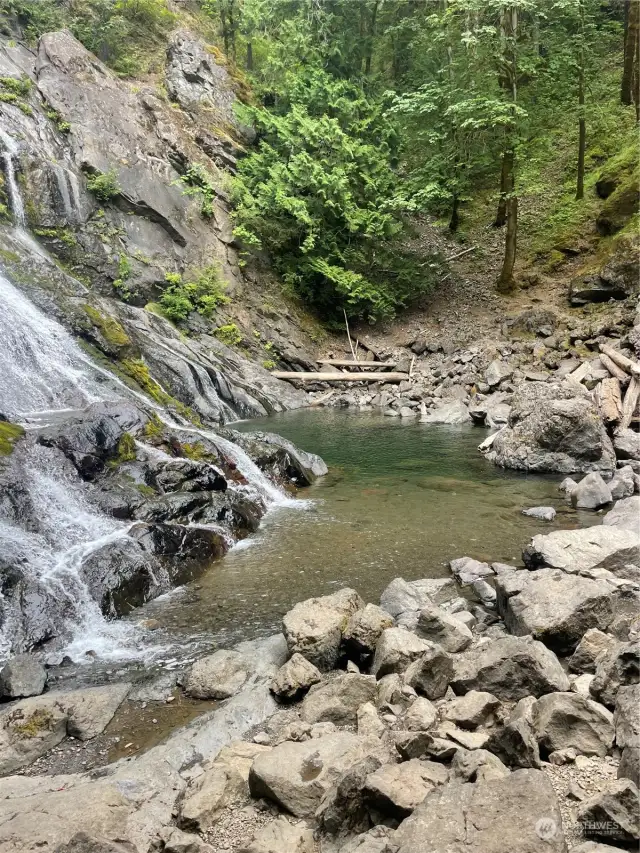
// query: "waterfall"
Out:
[41,366]
[8,156]
[43,373]
[63,190]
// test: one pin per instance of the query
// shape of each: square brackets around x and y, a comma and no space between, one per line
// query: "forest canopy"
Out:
[372,113]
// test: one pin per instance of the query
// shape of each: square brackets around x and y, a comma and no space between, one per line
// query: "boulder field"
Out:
[439,721]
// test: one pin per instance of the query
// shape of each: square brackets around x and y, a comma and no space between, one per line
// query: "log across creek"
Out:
[339,377]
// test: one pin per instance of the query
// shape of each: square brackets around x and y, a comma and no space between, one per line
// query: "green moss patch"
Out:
[109,328]
[9,434]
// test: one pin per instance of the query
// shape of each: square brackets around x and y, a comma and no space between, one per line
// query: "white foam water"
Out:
[9,155]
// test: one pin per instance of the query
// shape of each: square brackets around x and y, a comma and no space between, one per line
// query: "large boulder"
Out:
[454,412]
[554,607]
[626,443]
[626,718]
[431,673]
[625,514]
[605,547]
[364,629]
[438,626]
[466,570]
[509,668]
[338,699]
[518,813]
[91,437]
[591,492]
[280,836]
[403,596]
[297,775]
[590,647]
[395,650]
[612,815]
[315,627]
[619,667]
[515,744]
[569,721]
[396,789]
[22,676]
[218,676]
[475,708]
[294,678]
[553,427]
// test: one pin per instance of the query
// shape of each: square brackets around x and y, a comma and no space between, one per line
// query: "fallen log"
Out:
[339,377]
[616,371]
[609,400]
[580,372]
[630,402]
[620,359]
[361,365]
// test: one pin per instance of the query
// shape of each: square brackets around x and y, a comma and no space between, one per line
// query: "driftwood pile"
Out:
[617,395]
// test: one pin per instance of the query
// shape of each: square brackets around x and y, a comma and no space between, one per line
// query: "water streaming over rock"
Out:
[9,156]
[43,373]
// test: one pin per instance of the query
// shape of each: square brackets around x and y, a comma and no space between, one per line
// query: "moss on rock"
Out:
[9,434]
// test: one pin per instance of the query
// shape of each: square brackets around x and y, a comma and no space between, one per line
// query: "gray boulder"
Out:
[604,547]
[625,514]
[569,721]
[294,678]
[612,814]
[497,372]
[623,484]
[397,789]
[619,667]
[477,765]
[554,607]
[475,708]
[421,716]
[218,676]
[626,717]
[543,513]
[402,596]
[553,427]
[297,775]
[594,847]
[629,767]
[315,627]
[438,626]
[454,412]
[592,644]
[365,627]
[338,699]
[466,570]
[518,813]
[591,492]
[395,650]
[509,668]
[22,676]
[431,674]
[626,443]
[515,744]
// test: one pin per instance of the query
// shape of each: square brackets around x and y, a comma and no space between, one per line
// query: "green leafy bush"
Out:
[198,182]
[104,185]
[203,293]
[316,195]
[229,334]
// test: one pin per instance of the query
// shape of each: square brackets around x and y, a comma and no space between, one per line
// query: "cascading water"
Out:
[9,154]
[44,372]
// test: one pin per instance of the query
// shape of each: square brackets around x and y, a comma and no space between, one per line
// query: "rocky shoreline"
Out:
[495,709]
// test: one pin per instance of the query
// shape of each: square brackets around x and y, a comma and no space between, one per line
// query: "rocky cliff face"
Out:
[126,481]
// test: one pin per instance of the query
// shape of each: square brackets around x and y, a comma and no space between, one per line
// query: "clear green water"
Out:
[399,500]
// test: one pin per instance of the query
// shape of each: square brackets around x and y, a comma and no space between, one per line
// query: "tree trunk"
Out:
[249,56]
[370,38]
[630,51]
[506,188]
[506,281]
[454,221]
[582,127]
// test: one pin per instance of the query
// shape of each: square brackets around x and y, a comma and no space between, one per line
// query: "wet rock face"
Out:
[554,428]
